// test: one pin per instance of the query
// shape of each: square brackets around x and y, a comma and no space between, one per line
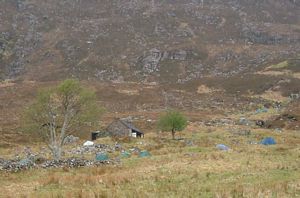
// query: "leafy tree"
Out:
[172,121]
[56,110]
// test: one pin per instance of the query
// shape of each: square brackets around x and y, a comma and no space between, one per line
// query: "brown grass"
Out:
[177,170]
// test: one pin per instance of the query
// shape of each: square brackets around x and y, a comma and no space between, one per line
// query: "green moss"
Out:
[294,65]
[195,149]
[280,65]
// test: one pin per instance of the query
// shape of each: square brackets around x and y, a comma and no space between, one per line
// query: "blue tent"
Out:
[222,147]
[268,141]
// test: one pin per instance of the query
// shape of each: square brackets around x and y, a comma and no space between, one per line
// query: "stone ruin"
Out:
[295,96]
[35,161]
[27,164]
[150,60]
[70,139]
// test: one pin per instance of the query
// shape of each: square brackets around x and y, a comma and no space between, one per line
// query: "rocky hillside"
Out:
[145,41]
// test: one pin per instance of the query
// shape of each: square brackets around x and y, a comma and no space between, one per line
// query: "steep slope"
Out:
[150,41]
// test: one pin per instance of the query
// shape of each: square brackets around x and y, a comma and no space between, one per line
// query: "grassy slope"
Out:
[178,170]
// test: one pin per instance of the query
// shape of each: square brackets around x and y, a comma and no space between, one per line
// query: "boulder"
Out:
[246,122]
[70,139]
[260,123]
[261,110]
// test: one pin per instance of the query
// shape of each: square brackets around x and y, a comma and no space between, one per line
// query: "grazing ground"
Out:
[222,63]
[190,166]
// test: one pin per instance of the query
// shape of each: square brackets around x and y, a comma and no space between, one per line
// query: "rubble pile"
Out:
[26,164]
[16,165]
[73,163]
[70,139]
[38,160]
[219,122]
[96,148]
[70,163]
[241,132]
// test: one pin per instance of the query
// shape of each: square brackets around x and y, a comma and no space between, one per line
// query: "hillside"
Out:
[195,55]
[230,67]
[144,41]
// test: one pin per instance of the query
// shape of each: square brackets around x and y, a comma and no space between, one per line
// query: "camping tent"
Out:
[268,141]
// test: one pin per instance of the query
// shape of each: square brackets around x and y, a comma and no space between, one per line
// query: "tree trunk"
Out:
[173,134]
[56,152]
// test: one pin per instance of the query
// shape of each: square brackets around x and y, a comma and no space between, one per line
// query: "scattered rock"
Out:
[284,121]
[118,147]
[70,139]
[252,142]
[260,123]
[242,132]
[135,150]
[295,96]
[219,122]
[246,122]
[150,60]
[71,163]
[96,148]
[261,110]
[278,130]
[189,143]
[15,165]
[190,154]
[25,164]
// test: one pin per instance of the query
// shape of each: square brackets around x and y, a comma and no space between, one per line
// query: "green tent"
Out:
[125,154]
[144,154]
[101,157]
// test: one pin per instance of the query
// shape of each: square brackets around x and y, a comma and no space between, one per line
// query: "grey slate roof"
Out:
[130,126]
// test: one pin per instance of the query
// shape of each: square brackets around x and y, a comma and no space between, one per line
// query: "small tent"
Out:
[102,157]
[222,147]
[268,141]
[144,154]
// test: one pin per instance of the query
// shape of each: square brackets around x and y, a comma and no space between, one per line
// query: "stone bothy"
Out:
[122,128]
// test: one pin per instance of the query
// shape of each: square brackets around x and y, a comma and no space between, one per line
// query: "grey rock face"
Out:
[121,40]
[151,60]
